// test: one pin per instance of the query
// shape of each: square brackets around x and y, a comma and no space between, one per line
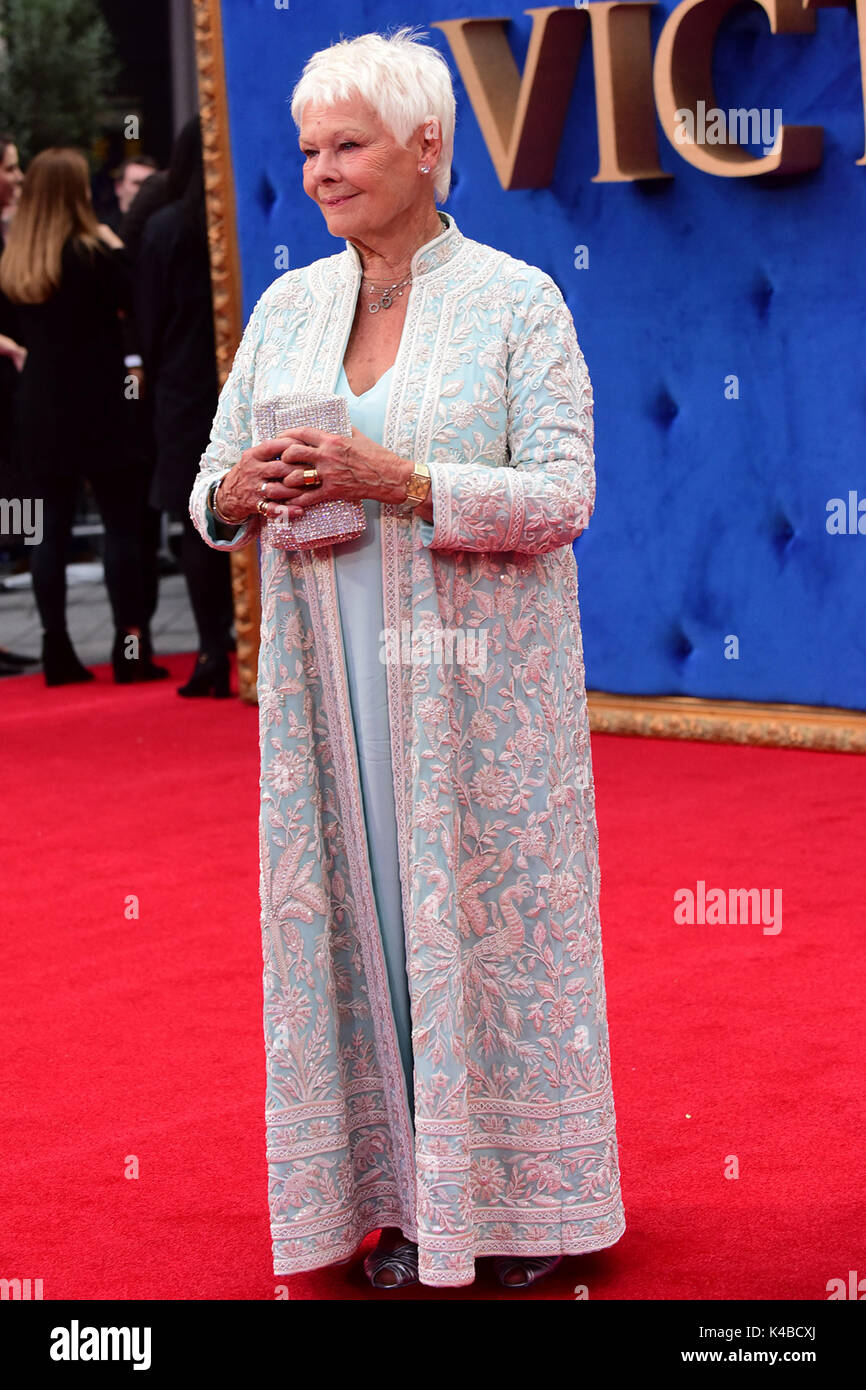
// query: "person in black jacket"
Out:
[150,196]
[66,277]
[12,358]
[174,318]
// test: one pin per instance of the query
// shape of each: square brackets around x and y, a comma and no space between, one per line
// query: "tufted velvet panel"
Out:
[711,513]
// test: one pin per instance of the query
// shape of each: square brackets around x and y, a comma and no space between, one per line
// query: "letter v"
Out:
[521,118]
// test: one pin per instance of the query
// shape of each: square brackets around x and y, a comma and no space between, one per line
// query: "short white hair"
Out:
[404,81]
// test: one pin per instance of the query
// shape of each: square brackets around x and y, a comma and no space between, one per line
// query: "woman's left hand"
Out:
[9,348]
[349,470]
[105,233]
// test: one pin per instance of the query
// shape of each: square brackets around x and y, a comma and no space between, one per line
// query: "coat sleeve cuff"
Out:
[216,533]
[428,532]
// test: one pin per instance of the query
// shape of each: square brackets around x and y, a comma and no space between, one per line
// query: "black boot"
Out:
[60,665]
[16,659]
[210,677]
[160,673]
[133,661]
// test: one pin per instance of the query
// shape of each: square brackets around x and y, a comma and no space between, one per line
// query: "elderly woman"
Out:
[435,1020]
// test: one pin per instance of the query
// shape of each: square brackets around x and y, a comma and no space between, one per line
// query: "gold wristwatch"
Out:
[417,488]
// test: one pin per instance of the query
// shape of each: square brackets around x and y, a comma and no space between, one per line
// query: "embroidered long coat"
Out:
[513,1149]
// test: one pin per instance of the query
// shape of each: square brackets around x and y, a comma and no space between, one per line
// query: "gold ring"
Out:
[311,477]
[262,506]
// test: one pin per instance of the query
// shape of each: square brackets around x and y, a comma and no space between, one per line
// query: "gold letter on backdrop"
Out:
[860,11]
[622,66]
[226,283]
[683,76]
[522,118]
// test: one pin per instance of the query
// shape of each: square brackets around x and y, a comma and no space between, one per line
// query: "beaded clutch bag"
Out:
[323,523]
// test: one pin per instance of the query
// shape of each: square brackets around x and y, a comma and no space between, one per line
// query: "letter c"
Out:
[683,75]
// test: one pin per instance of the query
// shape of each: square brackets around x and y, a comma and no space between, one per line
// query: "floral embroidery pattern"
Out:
[514,1143]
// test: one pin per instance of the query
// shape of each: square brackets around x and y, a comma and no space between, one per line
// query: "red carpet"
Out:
[141,1036]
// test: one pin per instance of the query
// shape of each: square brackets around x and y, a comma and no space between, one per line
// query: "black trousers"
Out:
[119,498]
[208,580]
[142,448]
[151,535]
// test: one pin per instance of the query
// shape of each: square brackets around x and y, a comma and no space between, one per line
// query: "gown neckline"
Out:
[369,388]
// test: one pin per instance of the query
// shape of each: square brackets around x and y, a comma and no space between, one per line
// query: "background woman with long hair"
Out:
[12,359]
[66,277]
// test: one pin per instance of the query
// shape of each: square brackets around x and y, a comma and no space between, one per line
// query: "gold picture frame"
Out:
[227,302]
[684,717]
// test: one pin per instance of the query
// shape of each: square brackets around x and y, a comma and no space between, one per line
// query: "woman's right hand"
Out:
[240,491]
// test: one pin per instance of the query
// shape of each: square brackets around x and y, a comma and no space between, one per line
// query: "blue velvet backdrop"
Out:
[711,513]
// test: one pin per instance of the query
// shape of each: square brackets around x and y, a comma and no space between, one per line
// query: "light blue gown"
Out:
[359,587]
[515,1142]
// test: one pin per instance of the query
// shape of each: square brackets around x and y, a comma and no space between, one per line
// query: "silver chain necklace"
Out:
[387,298]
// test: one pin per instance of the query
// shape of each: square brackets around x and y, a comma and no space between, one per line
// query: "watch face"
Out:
[418,487]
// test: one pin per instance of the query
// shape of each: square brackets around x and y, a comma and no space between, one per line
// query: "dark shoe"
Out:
[16,659]
[526,1269]
[8,669]
[60,665]
[156,673]
[210,677]
[398,1267]
[132,670]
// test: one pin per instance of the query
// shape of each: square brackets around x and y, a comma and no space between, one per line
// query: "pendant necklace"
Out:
[387,298]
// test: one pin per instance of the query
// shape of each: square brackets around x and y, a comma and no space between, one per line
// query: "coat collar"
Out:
[430,256]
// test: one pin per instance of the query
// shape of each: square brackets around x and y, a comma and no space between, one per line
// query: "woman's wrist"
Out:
[220,504]
[403,470]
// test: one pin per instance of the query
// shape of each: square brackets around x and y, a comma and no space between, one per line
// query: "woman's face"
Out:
[355,171]
[11,177]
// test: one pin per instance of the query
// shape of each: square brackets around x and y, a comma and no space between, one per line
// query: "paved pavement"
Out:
[89,615]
